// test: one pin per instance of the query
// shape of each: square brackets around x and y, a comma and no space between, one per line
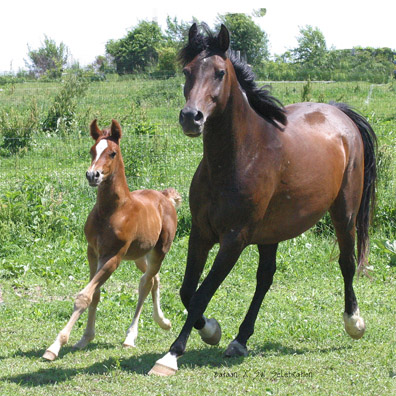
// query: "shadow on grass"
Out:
[141,364]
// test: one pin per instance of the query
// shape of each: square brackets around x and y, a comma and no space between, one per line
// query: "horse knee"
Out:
[185,294]
[82,302]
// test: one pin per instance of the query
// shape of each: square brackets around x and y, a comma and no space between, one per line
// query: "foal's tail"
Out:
[173,196]
[367,203]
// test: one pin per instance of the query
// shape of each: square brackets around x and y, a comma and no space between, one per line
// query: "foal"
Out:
[123,225]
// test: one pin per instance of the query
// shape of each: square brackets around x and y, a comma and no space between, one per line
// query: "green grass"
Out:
[299,346]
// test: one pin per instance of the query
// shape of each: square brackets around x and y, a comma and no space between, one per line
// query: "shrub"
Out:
[62,112]
[16,129]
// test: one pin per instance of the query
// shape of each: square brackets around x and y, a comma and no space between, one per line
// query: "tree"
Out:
[138,50]
[311,50]
[176,32]
[246,36]
[49,59]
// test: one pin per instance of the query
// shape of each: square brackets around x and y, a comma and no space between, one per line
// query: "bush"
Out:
[62,112]
[16,129]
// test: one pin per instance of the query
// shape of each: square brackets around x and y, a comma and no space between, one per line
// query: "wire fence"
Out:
[156,155]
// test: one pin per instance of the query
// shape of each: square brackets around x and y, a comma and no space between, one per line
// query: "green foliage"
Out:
[16,129]
[138,51]
[387,248]
[306,94]
[311,50]
[61,114]
[167,61]
[246,37]
[50,59]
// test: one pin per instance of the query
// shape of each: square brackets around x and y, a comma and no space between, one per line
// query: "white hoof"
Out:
[165,366]
[165,324]
[211,332]
[235,349]
[354,325]
[50,356]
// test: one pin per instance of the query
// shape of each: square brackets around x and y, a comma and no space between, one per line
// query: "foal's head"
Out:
[105,153]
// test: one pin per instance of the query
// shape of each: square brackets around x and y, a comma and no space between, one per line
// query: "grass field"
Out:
[299,346]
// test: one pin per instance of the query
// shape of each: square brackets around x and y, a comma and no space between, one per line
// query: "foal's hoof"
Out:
[354,325]
[165,324]
[165,366]
[235,349]
[211,332]
[50,356]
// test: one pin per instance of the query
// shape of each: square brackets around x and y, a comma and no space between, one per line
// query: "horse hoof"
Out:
[354,325]
[127,345]
[235,349]
[165,366]
[211,332]
[165,325]
[50,356]
[162,371]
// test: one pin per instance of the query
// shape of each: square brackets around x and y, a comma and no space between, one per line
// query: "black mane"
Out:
[264,104]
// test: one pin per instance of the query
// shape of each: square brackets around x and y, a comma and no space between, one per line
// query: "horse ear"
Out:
[223,38]
[95,131]
[192,32]
[115,131]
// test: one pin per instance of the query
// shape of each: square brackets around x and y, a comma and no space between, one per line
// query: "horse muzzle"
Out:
[192,121]
[94,178]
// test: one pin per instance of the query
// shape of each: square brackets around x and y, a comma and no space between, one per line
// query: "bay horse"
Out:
[268,174]
[123,225]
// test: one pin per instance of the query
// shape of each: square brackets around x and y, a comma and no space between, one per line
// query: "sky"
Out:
[85,26]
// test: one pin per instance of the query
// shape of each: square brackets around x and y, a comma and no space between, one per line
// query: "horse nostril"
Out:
[198,117]
[97,174]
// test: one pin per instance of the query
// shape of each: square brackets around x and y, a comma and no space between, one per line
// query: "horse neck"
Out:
[225,134]
[113,191]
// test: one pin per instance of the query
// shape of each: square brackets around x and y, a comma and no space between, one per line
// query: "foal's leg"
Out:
[82,302]
[264,276]
[344,224]
[229,252]
[89,333]
[158,315]
[152,264]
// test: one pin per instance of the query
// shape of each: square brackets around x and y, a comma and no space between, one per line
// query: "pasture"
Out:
[299,345]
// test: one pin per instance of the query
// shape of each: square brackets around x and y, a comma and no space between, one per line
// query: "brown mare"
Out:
[267,174]
[123,225]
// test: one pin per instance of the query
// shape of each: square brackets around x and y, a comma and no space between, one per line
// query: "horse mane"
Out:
[264,104]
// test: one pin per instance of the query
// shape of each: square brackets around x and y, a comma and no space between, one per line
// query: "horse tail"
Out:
[173,196]
[367,203]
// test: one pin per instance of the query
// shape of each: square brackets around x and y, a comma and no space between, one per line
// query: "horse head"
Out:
[105,153]
[208,72]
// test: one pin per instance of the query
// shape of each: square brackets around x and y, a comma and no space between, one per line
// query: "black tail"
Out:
[367,204]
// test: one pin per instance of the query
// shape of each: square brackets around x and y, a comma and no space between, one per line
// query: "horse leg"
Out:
[152,262]
[264,276]
[344,224]
[82,302]
[158,315]
[229,252]
[198,250]
[89,333]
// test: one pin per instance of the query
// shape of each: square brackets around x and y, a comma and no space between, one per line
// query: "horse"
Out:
[123,225]
[268,173]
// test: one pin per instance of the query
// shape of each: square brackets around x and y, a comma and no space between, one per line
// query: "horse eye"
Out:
[113,154]
[219,74]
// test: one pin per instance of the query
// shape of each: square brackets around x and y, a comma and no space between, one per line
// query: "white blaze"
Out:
[100,147]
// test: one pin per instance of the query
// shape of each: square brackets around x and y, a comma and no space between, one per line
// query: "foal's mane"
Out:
[267,106]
